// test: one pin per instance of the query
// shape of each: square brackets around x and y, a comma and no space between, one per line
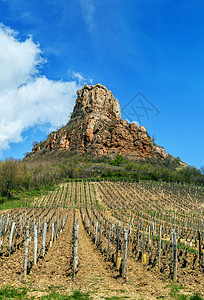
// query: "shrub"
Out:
[118,161]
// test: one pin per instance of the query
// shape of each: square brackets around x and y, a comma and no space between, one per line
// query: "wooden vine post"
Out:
[200,251]
[25,261]
[143,241]
[149,237]
[44,238]
[11,235]
[52,234]
[124,261]
[201,255]
[159,247]
[109,239]
[174,257]
[96,232]
[117,242]
[75,259]
[35,236]
[138,236]
[101,231]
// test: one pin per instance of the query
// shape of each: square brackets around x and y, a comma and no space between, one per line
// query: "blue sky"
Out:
[49,49]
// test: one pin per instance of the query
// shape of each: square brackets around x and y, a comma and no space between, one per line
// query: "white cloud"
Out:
[18,60]
[78,76]
[88,9]
[26,97]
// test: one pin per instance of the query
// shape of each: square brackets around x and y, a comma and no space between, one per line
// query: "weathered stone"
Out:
[96,125]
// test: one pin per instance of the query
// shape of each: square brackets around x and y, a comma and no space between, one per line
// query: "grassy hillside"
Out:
[20,176]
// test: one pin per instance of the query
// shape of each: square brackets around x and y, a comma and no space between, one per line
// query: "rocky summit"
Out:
[96,126]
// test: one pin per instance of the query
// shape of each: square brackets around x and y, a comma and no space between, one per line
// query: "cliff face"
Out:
[96,126]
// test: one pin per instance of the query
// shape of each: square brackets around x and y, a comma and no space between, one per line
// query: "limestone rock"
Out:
[96,126]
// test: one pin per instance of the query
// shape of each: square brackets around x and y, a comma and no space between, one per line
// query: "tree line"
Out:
[18,175]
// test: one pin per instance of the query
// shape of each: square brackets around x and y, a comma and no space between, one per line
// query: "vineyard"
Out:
[109,238]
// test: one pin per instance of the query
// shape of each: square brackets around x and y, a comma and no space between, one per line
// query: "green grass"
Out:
[195,297]
[12,293]
[76,295]
[185,297]
[182,297]
[25,198]
[21,293]
[175,289]
[175,293]
[116,298]
[113,298]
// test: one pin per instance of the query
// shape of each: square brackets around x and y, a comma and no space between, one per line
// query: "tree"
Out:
[10,176]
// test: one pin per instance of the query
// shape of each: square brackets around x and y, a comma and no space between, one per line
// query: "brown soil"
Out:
[95,275]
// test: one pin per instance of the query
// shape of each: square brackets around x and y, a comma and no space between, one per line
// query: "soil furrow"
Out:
[53,269]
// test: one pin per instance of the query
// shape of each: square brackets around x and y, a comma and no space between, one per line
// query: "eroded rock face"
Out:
[97,99]
[96,126]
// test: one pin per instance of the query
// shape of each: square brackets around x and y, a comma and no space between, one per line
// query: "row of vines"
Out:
[157,224]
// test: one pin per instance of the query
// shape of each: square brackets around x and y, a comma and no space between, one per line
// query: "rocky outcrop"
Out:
[96,126]
[97,100]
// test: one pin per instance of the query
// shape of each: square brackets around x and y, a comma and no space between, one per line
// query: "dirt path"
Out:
[94,274]
[53,269]
[97,276]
